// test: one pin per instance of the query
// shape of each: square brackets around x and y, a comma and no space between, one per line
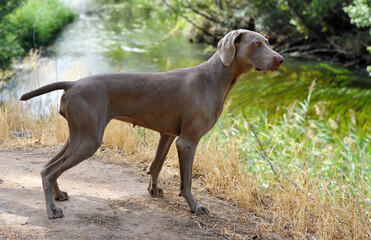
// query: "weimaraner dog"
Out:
[183,103]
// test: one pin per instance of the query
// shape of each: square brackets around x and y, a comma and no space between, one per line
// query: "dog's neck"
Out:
[225,76]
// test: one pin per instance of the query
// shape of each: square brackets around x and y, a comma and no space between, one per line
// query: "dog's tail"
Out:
[48,88]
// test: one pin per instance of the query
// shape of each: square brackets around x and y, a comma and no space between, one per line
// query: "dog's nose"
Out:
[279,59]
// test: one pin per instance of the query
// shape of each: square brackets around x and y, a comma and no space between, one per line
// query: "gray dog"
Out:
[183,102]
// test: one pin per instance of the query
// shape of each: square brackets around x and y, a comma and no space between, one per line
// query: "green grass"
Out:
[298,142]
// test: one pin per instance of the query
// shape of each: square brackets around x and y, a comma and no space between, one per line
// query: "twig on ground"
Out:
[273,165]
[261,147]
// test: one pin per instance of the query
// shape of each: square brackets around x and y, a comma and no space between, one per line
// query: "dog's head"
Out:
[248,49]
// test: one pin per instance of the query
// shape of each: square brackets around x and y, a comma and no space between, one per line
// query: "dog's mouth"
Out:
[275,68]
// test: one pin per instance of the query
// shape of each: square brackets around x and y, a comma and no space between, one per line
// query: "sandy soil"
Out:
[107,201]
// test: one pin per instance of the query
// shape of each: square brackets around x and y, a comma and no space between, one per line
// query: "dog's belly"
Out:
[163,126]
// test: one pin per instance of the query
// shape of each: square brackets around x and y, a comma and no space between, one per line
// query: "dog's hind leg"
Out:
[59,154]
[156,165]
[77,151]
[84,140]
[58,194]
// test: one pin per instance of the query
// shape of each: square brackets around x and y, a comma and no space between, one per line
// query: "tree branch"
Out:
[210,18]
[189,21]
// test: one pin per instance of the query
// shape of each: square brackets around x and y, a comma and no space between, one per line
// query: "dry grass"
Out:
[314,211]
[291,213]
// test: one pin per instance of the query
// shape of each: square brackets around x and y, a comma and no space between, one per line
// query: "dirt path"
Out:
[108,201]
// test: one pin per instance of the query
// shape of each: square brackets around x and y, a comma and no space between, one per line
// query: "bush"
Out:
[33,23]
[6,6]
[360,14]
[9,46]
[42,18]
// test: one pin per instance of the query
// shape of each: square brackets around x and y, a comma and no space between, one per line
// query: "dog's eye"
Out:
[257,44]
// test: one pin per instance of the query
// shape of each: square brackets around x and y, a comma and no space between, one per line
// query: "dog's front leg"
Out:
[156,165]
[186,151]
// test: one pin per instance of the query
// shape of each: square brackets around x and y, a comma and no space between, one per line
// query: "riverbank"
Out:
[29,24]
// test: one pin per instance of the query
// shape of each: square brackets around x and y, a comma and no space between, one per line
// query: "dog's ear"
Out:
[227,47]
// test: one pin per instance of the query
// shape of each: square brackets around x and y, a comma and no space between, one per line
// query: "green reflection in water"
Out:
[338,92]
[144,40]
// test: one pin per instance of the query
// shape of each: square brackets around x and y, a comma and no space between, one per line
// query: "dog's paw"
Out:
[156,192]
[200,210]
[61,196]
[55,212]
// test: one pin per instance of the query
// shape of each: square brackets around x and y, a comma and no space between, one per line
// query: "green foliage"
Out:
[35,22]
[210,19]
[360,14]
[38,21]
[6,6]
[9,46]
[310,16]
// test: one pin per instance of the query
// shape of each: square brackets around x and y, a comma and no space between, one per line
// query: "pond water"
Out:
[131,36]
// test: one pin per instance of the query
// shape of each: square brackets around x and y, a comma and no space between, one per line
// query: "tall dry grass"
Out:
[319,209]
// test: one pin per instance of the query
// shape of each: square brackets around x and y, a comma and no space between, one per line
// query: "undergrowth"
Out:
[331,199]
